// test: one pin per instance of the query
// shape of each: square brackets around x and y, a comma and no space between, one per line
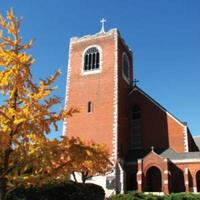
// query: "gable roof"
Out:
[134,155]
[136,88]
[197,141]
[171,154]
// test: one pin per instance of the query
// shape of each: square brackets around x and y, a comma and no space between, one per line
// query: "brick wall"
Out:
[97,88]
[124,88]
[159,129]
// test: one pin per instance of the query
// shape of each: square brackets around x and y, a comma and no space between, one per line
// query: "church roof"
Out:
[172,155]
[197,141]
[135,154]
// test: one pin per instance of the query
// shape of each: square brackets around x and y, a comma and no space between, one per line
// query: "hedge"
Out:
[64,191]
[142,196]
[78,191]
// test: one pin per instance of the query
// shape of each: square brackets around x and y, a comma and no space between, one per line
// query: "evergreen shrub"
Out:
[62,191]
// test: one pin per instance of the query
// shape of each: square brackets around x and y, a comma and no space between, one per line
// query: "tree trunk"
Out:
[84,177]
[74,176]
[3,183]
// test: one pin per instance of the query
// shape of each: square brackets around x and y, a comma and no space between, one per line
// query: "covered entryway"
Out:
[131,181]
[198,181]
[153,180]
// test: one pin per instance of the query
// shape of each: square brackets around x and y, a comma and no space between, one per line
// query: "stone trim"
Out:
[186,161]
[165,181]
[95,36]
[166,172]
[186,171]
[195,189]
[115,112]
[185,139]
[172,160]
[67,85]
[100,35]
[121,179]
[115,102]
[139,172]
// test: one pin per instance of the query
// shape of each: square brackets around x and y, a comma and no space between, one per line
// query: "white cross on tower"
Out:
[102,25]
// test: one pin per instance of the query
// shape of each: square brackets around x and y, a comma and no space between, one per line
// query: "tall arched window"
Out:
[91,59]
[125,67]
[136,128]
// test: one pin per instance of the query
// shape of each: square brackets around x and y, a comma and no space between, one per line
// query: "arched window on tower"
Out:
[136,128]
[91,59]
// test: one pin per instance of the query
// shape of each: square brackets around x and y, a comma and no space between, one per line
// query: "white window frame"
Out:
[94,71]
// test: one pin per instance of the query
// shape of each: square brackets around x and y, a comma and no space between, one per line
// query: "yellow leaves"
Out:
[86,157]
[26,116]
[19,121]
[10,14]
[28,45]
[51,79]
[2,21]
[7,58]
[10,24]
[24,59]
[5,138]
[70,112]
[42,93]
[45,90]
[1,33]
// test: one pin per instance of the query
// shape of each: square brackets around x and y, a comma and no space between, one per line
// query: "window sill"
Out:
[85,73]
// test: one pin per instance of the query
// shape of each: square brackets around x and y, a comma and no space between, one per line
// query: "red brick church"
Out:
[153,151]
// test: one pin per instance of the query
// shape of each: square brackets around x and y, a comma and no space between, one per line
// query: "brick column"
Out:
[186,179]
[165,177]
[140,175]
[194,183]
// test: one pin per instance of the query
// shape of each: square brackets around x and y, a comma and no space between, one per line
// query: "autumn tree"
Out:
[27,156]
[25,112]
[88,159]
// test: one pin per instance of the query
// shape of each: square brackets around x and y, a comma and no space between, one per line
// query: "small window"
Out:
[90,107]
[126,67]
[91,59]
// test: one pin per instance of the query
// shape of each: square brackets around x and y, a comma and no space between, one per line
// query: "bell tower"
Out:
[99,78]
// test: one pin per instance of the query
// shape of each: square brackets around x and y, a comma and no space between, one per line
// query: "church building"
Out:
[152,150]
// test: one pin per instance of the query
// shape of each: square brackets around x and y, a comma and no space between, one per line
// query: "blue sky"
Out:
[163,35]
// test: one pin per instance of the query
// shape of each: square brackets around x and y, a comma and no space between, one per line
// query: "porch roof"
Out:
[134,154]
